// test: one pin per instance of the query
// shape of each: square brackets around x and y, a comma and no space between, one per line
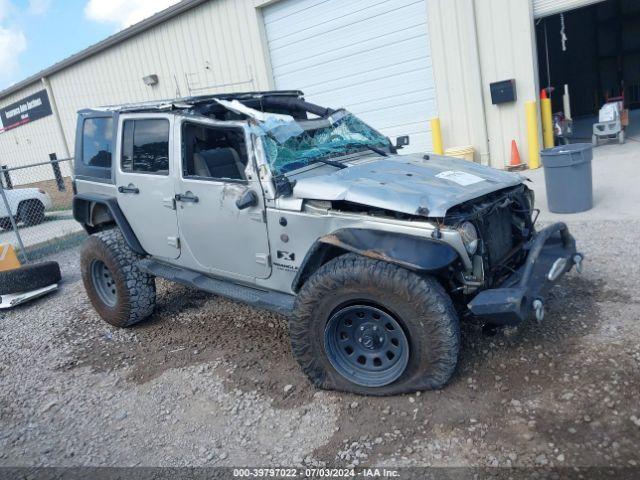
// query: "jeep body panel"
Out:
[94,209]
[147,199]
[216,236]
[412,184]
[293,235]
[419,254]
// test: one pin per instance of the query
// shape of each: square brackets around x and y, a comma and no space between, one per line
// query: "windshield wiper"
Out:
[333,163]
[379,151]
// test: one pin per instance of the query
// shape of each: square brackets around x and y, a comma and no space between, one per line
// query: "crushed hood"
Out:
[407,184]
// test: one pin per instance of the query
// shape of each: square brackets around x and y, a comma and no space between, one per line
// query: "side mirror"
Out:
[248,199]
[402,142]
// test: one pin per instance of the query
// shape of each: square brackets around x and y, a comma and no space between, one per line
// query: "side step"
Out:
[277,302]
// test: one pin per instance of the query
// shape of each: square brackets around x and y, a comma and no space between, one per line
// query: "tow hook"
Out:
[577,260]
[538,306]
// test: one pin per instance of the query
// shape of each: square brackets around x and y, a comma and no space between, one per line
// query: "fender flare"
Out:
[83,205]
[418,254]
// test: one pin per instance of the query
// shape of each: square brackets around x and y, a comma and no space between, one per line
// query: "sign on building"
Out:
[29,109]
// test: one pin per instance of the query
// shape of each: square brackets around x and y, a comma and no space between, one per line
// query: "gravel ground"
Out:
[208,382]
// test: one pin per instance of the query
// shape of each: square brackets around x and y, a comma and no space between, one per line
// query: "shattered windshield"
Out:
[295,144]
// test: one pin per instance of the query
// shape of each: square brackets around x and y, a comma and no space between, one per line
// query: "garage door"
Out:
[371,57]
[544,8]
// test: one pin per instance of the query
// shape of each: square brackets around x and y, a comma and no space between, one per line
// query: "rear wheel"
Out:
[373,328]
[31,212]
[120,292]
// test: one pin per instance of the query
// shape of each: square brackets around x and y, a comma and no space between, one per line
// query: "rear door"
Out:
[144,181]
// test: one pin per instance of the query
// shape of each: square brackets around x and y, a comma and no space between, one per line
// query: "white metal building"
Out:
[396,63]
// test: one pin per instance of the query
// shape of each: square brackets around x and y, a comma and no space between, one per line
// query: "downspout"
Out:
[485,156]
[56,115]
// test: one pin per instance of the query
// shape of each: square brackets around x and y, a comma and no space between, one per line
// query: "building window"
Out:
[145,146]
[97,141]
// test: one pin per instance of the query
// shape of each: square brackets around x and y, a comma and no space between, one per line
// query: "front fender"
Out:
[418,254]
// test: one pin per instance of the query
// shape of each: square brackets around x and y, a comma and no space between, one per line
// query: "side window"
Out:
[97,142]
[213,152]
[145,146]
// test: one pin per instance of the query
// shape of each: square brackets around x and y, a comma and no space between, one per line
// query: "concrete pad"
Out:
[616,185]
[57,225]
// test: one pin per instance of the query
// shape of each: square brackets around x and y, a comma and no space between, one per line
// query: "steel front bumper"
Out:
[552,253]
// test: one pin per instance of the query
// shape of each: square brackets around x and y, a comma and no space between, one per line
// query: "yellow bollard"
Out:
[533,135]
[547,122]
[436,134]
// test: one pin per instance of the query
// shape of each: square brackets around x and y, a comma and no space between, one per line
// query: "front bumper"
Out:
[552,253]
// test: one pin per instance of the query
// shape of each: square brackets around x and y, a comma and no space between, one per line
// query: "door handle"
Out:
[187,198]
[131,188]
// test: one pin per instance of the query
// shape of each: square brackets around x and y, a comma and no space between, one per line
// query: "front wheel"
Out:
[369,327]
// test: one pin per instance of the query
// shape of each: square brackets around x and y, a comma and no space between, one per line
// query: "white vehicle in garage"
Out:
[27,205]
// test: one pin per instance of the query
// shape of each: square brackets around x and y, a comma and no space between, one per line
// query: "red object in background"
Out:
[515,154]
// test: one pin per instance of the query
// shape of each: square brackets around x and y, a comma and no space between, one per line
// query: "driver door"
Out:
[222,238]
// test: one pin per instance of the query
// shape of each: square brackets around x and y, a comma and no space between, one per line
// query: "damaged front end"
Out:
[550,254]
[514,265]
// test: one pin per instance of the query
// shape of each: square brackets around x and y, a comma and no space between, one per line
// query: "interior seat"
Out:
[219,163]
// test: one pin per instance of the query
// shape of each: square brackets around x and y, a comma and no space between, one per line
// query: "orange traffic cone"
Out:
[516,163]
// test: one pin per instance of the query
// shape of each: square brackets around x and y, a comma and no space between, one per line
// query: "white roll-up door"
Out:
[544,8]
[369,56]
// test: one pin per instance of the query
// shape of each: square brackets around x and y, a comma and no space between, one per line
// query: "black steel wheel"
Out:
[104,283]
[366,345]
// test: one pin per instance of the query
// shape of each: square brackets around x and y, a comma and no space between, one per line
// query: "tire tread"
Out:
[140,287]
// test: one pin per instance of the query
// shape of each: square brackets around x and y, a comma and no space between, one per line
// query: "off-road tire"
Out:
[29,277]
[419,304]
[135,289]
[31,212]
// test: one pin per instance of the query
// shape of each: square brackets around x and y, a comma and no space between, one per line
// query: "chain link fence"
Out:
[35,208]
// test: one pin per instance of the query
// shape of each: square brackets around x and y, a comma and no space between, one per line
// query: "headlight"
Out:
[469,236]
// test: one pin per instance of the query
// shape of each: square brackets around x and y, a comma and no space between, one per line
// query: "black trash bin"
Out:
[567,175]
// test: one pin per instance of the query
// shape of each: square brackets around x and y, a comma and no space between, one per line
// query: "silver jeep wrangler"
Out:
[307,211]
